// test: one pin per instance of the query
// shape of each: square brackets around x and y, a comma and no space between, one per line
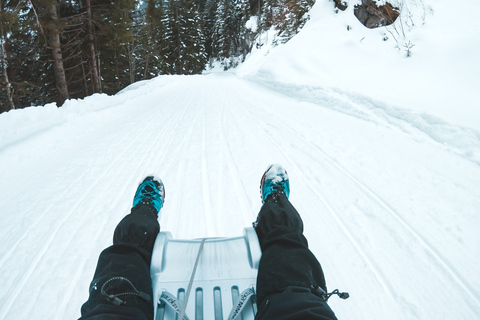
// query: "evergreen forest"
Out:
[54,50]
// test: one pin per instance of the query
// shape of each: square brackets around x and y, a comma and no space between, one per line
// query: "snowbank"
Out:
[441,78]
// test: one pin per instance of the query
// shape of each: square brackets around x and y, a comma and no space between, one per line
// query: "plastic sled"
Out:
[218,273]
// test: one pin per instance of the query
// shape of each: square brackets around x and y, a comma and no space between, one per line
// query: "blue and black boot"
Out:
[150,192]
[274,181]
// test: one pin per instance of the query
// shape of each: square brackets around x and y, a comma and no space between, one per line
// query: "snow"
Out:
[385,171]
[252,23]
[441,77]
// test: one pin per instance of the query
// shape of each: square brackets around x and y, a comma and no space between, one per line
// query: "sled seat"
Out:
[226,273]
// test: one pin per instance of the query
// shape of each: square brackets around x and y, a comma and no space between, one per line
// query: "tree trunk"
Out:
[178,61]
[130,48]
[55,45]
[91,46]
[3,59]
[147,60]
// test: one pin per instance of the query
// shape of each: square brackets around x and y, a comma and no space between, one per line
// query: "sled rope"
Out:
[168,299]
[240,303]
[190,284]
[238,306]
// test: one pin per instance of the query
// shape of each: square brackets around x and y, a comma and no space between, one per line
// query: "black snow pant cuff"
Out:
[122,287]
[286,260]
[295,303]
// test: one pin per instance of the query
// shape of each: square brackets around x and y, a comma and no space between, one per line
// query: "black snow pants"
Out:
[122,287]
[289,275]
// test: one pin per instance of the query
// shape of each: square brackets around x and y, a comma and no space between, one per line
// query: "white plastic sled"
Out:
[210,278]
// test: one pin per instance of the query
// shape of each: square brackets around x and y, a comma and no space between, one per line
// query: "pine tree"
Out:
[7,19]
[241,14]
[51,26]
[114,39]
[104,45]
[169,50]
[267,17]
[230,42]
[153,59]
[209,18]
[220,47]
[184,48]
[194,53]
[28,60]
[91,49]
[79,49]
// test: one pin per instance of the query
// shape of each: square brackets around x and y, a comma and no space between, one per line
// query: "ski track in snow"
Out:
[210,138]
[440,260]
[381,277]
[32,226]
[64,217]
[233,168]
[26,277]
[382,203]
[463,141]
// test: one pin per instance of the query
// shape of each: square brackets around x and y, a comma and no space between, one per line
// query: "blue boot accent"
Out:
[150,192]
[275,179]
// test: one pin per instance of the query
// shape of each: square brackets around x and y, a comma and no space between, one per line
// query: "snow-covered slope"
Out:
[441,78]
[390,195]
[391,213]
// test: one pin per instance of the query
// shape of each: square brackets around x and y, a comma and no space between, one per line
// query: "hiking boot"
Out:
[274,181]
[150,192]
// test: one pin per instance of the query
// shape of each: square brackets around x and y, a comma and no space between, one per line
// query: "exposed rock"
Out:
[373,16]
[342,5]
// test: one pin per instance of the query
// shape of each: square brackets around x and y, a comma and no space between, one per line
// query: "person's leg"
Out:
[122,286]
[290,280]
[286,260]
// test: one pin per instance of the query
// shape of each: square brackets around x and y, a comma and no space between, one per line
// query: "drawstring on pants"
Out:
[114,298]
[325,296]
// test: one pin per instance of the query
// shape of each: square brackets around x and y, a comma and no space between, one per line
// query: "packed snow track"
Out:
[391,209]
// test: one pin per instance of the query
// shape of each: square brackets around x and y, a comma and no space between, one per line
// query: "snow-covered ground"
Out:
[389,188]
[441,78]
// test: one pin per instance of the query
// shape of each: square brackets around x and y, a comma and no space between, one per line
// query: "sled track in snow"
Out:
[207,193]
[130,149]
[207,138]
[232,166]
[377,199]
[175,200]
[137,174]
[380,277]
[38,257]
[34,225]
[157,143]
[438,132]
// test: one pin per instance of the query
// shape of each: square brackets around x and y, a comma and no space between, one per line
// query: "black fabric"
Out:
[129,258]
[295,303]
[288,270]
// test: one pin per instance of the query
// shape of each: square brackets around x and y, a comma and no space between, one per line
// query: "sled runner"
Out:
[209,278]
